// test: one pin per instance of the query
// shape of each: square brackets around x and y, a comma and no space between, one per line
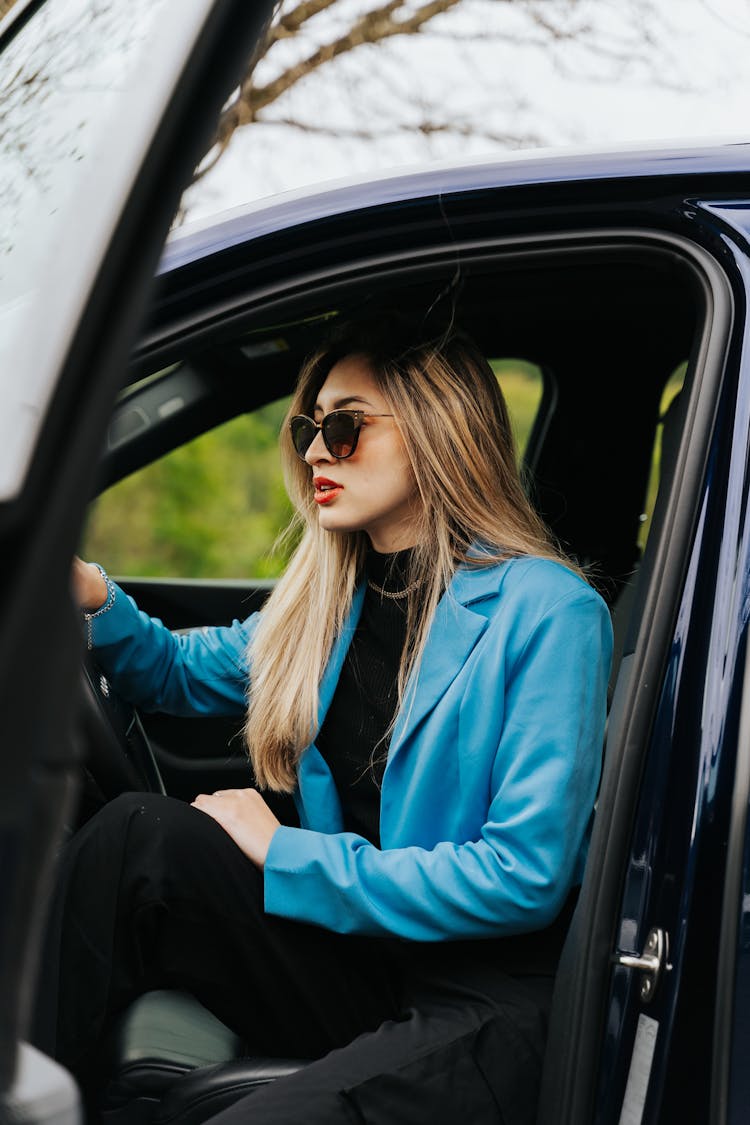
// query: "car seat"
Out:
[171,1060]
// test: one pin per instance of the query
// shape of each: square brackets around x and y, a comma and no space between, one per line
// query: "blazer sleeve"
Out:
[200,672]
[514,877]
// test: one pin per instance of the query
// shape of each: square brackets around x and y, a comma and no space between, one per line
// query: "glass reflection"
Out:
[64,82]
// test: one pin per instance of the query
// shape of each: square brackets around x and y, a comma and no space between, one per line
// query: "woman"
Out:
[429,680]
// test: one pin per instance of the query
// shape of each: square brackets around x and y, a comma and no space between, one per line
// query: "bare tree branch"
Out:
[373,27]
[553,31]
[722,18]
[290,23]
[485,36]
[426,127]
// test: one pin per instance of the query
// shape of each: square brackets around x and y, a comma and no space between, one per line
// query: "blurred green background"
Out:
[211,509]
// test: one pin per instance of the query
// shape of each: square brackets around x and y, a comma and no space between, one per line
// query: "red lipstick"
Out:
[325,490]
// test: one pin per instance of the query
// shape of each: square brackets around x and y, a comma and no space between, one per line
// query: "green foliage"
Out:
[521,384]
[211,509]
[673,386]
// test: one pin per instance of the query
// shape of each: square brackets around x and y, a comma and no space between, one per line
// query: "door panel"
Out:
[184,604]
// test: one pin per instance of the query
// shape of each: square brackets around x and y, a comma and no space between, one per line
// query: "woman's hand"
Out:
[245,816]
[89,588]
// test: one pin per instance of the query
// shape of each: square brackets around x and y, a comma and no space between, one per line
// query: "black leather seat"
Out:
[171,1060]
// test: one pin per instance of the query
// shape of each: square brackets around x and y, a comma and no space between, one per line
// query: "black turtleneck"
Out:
[351,738]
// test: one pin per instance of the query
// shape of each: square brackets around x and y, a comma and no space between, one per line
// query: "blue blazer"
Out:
[492,769]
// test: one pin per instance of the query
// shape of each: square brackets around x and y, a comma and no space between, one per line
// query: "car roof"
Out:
[546,166]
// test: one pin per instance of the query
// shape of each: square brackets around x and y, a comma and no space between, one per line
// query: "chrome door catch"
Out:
[651,963]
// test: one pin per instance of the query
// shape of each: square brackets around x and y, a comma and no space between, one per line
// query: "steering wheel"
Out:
[119,754]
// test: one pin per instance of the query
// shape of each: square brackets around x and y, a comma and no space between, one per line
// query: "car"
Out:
[610,291]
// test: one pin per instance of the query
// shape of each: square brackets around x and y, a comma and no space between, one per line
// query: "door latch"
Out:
[651,963]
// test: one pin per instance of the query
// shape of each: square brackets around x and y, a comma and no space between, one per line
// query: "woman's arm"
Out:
[200,672]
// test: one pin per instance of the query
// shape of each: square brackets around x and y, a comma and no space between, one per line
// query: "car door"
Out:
[643,1022]
[107,106]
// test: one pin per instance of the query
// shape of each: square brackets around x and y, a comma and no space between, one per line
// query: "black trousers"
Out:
[154,894]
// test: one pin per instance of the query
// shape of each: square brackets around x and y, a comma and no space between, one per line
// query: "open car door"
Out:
[107,106]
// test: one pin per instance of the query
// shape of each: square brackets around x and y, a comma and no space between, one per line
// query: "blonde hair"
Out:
[454,422]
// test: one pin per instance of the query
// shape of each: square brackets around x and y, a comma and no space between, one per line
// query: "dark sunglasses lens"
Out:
[303,433]
[340,433]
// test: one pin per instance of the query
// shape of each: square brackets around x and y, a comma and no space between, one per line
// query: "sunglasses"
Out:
[340,430]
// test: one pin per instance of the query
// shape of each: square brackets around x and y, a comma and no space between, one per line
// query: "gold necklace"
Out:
[394,595]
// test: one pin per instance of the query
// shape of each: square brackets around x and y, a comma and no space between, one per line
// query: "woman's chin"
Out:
[330,520]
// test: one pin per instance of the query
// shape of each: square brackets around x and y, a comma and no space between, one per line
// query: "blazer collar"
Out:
[455,630]
[472,584]
[314,777]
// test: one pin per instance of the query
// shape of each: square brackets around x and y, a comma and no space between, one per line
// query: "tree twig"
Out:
[373,27]
[426,127]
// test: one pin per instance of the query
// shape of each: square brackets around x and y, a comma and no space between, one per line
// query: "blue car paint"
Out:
[679,841]
[299,208]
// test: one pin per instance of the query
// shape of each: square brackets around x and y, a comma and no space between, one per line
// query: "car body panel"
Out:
[726,164]
[674,879]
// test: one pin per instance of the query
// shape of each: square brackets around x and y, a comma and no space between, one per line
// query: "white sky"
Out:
[692,81]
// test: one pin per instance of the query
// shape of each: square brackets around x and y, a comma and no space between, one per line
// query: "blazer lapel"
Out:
[338,654]
[454,632]
[316,786]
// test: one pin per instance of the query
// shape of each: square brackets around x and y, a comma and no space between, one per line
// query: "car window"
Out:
[522,384]
[216,506]
[212,508]
[672,388]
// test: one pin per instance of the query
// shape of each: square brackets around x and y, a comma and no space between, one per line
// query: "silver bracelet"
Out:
[110,601]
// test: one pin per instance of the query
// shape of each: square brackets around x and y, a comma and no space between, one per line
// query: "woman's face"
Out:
[373,490]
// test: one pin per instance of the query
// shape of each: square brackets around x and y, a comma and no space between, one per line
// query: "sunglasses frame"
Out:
[358,417]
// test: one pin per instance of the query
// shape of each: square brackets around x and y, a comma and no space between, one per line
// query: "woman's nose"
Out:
[317,450]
